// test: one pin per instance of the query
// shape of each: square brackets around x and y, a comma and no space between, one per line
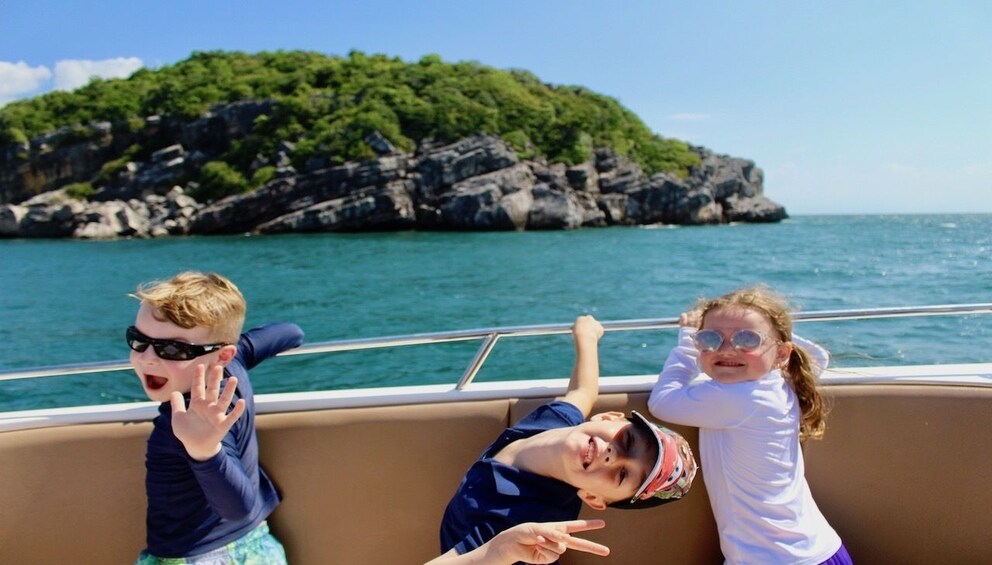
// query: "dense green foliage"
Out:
[79,190]
[327,105]
[218,179]
[112,167]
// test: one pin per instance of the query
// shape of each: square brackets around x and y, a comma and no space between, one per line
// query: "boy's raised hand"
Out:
[587,327]
[583,386]
[530,542]
[201,426]
[544,543]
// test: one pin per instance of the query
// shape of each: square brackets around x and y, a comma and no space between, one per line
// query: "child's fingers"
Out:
[196,390]
[579,544]
[549,546]
[178,403]
[570,526]
[213,383]
[237,411]
[229,387]
[587,324]
[563,529]
[690,318]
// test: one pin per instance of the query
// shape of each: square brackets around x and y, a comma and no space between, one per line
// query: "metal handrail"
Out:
[491,335]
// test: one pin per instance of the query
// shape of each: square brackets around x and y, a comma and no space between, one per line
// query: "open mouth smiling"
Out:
[155,382]
[589,454]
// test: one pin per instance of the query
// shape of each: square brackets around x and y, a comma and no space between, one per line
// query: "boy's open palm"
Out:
[201,426]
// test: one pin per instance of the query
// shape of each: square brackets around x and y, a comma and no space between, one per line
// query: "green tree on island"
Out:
[327,105]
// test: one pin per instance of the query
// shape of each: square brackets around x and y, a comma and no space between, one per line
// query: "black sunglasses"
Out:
[168,349]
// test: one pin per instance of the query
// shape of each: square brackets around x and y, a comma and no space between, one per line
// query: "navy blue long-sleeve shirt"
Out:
[494,496]
[196,506]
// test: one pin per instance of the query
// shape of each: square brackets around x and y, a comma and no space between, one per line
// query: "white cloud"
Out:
[19,79]
[688,117]
[73,73]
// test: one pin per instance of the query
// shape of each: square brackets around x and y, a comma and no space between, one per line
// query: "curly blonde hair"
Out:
[799,369]
[193,299]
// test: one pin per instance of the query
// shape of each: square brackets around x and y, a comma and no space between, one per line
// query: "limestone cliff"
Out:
[477,183]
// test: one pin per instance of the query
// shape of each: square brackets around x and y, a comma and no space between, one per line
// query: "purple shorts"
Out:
[842,557]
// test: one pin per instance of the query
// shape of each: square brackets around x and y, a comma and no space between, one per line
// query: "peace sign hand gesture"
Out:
[545,542]
[204,424]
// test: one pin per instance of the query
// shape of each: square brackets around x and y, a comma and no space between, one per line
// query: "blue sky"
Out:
[848,107]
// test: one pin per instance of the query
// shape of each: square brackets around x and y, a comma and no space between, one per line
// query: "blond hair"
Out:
[799,369]
[193,299]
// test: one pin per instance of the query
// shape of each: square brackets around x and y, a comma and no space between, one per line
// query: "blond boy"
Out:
[208,498]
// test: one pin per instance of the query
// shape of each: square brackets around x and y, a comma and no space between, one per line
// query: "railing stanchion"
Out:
[480,357]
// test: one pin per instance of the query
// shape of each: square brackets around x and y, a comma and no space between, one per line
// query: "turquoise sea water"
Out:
[66,301]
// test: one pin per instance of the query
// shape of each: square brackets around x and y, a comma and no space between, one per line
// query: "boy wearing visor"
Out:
[208,498]
[553,460]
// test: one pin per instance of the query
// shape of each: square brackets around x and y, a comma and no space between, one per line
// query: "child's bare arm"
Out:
[204,424]
[583,387]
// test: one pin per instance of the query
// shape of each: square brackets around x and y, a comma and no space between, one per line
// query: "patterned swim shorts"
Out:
[257,547]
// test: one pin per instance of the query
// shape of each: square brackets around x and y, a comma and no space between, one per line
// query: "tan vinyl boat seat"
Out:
[903,474]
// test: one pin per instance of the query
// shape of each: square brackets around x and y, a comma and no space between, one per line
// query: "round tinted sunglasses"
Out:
[168,349]
[744,341]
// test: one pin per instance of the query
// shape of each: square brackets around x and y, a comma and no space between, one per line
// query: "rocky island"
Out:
[172,174]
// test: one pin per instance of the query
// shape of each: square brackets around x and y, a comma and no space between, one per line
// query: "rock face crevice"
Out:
[477,183]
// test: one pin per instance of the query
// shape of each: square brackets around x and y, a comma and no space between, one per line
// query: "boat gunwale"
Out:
[977,375]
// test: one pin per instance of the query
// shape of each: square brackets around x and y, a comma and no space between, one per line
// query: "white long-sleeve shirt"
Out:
[751,457]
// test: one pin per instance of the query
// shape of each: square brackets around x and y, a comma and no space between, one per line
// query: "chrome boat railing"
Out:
[490,336]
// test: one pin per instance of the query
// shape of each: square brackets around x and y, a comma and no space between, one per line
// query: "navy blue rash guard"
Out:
[196,506]
[494,497]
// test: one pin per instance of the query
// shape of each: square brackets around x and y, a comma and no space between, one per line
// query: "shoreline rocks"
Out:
[477,183]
